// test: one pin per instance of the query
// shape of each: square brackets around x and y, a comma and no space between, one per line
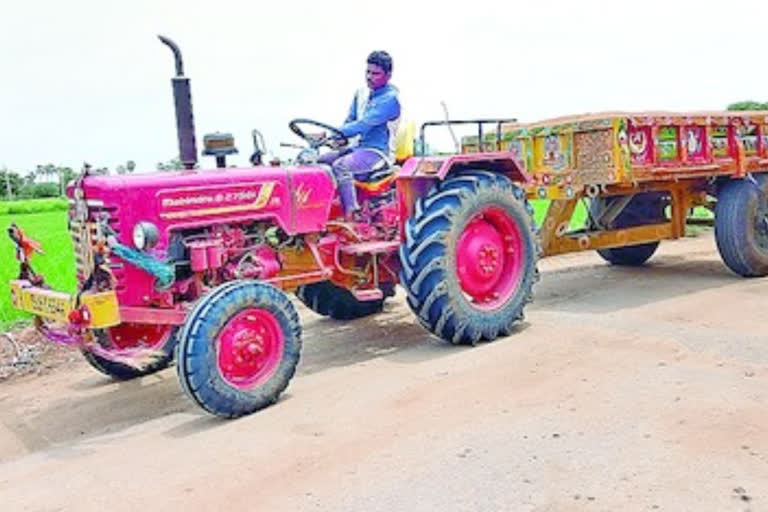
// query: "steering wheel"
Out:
[315,143]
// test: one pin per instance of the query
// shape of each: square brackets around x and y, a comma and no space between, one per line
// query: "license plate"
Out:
[41,302]
[102,306]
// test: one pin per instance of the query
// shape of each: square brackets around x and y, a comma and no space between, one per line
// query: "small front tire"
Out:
[162,338]
[239,348]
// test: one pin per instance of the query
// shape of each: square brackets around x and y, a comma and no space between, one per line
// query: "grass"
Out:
[579,217]
[33,206]
[57,264]
[540,206]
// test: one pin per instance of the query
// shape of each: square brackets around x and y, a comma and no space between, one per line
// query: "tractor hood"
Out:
[297,199]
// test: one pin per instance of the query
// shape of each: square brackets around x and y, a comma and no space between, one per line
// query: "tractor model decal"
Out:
[241,199]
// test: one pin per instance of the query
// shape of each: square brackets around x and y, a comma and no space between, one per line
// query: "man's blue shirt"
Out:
[374,116]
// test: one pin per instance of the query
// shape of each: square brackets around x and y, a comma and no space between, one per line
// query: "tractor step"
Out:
[368,295]
[370,247]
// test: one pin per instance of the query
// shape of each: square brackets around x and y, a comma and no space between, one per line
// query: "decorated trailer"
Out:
[199,264]
[642,174]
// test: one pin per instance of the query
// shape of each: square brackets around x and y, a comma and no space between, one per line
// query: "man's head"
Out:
[379,69]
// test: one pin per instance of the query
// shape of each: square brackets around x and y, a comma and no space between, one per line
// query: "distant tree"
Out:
[62,175]
[748,105]
[126,168]
[103,171]
[46,171]
[11,183]
[173,164]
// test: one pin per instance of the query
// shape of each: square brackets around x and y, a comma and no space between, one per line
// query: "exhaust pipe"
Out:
[182,97]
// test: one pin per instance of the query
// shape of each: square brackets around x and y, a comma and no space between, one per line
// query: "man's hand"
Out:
[336,143]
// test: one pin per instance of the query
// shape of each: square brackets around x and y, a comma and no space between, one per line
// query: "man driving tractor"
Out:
[373,119]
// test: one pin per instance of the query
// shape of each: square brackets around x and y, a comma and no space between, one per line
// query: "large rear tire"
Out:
[239,348]
[162,338]
[469,257]
[327,299]
[741,225]
[642,209]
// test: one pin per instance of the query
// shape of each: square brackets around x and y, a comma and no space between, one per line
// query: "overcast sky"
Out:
[87,80]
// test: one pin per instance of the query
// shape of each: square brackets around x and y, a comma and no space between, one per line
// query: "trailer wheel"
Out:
[642,209]
[469,257]
[327,299]
[741,225]
[160,337]
[239,348]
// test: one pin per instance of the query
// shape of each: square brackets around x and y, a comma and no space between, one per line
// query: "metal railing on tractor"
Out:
[480,134]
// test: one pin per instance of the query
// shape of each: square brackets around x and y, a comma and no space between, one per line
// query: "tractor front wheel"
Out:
[239,348]
[161,338]
[469,257]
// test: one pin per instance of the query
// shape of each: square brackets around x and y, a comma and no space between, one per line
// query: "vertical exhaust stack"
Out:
[182,97]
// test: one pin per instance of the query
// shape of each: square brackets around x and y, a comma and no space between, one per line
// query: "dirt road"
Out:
[626,389]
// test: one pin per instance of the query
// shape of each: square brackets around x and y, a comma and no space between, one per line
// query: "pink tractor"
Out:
[198,264]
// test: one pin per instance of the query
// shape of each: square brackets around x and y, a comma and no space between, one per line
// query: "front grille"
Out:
[82,235]
[86,233]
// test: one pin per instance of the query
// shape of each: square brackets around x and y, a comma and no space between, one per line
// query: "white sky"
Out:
[87,80]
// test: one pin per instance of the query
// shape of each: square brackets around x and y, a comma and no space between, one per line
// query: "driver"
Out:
[372,119]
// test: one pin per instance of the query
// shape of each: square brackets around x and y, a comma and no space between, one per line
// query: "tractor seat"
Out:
[379,180]
[383,176]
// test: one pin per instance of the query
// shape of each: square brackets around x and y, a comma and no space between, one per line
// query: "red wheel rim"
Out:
[128,335]
[490,258]
[250,347]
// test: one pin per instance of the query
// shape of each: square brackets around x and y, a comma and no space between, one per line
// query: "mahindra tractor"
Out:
[201,265]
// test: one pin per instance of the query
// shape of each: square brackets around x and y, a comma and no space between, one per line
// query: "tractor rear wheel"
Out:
[642,209]
[239,348]
[741,225]
[327,299]
[469,257]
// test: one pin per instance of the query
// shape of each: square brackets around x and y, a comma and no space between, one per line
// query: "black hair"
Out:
[381,59]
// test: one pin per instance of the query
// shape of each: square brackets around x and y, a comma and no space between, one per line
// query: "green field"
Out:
[57,264]
[32,206]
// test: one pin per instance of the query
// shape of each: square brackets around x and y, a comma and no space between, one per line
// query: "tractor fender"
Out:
[419,174]
[438,167]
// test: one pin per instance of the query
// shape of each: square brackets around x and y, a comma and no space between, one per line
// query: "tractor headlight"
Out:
[145,235]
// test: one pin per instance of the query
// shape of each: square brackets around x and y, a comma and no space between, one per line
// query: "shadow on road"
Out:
[604,288]
[97,405]
[394,335]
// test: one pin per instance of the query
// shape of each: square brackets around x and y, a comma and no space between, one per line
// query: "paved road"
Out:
[625,389]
